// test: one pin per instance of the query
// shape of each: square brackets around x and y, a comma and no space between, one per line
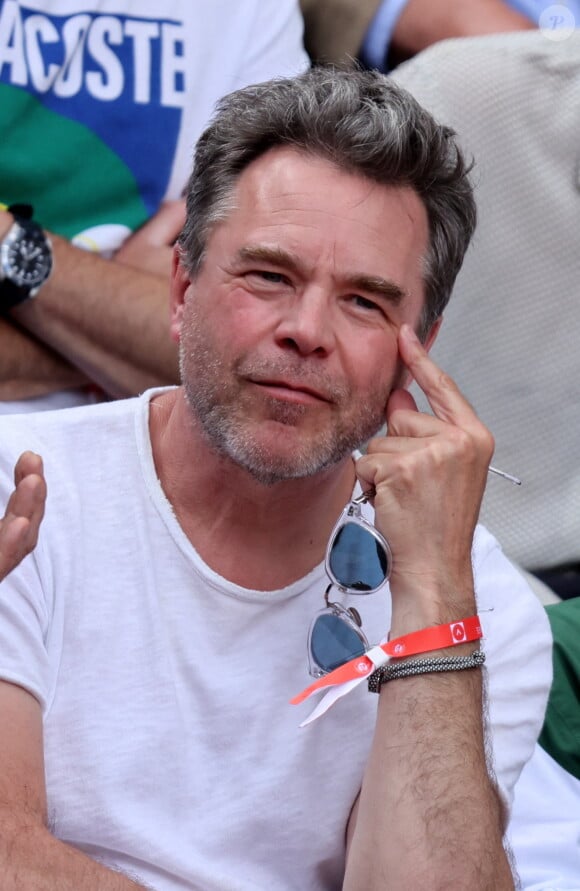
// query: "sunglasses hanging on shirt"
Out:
[358,561]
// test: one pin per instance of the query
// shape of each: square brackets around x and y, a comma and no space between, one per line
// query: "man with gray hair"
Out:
[179,590]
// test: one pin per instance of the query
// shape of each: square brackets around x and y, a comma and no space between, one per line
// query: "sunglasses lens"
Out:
[357,559]
[333,642]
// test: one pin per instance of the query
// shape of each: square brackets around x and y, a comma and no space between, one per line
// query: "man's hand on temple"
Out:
[429,474]
[24,511]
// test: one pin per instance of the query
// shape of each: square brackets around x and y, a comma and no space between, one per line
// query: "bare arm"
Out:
[30,857]
[424,22]
[429,815]
[108,318]
[29,368]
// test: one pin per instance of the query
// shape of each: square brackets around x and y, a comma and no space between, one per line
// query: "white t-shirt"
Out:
[171,749]
[544,831]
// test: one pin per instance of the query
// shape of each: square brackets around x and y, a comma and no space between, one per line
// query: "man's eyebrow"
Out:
[379,286]
[257,253]
[370,284]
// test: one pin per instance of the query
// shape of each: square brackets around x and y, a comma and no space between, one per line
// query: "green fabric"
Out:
[70,176]
[560,735]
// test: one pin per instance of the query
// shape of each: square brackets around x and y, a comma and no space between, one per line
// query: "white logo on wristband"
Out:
[458,632]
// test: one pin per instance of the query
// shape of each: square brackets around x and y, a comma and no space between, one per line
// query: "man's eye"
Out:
[366,303]
[275,277]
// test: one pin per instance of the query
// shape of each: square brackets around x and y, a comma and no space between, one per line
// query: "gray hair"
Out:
[362,122]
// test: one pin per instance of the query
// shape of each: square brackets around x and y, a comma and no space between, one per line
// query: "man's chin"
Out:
[284,455]
[288,444]
[271,473]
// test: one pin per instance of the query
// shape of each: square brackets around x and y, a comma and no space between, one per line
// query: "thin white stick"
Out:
[506,476]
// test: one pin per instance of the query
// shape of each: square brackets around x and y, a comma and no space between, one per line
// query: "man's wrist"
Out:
[6,221]
[445,606]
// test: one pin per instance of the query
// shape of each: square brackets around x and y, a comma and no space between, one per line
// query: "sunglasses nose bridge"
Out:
[355,615]
[326,593]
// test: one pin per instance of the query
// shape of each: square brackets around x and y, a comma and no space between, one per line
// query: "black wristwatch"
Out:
[25,258]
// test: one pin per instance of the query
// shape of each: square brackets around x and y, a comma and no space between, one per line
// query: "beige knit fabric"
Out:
[511,336]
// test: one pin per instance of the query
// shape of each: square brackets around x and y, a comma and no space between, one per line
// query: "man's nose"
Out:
[307,324]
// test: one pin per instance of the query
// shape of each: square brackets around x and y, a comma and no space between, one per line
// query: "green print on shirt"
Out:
[70,176]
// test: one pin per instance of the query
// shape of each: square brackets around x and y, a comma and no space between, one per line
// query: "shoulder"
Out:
[76,444]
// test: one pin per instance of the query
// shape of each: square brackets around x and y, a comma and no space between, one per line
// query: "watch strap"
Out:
[11,295]
[21,211]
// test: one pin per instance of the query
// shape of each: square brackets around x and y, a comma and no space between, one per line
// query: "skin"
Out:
[24,511]
[289,287]
[424,22]
[95,320]
[308,316]
[420,24]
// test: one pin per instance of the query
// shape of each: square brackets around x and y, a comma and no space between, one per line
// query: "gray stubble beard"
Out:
[215,409]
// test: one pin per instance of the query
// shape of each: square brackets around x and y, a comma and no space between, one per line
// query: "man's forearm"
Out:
[28,368]
[108,319]
[429,815]
[32,859]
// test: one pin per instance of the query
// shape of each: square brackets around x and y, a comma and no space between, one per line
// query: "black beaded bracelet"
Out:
[391,671]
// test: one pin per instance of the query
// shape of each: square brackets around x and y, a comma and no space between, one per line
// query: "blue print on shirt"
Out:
[123,78]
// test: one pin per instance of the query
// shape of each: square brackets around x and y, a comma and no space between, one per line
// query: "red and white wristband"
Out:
[348,676]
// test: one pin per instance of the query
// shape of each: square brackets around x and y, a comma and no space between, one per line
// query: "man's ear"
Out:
[407,378]
[432,336]
[179,283]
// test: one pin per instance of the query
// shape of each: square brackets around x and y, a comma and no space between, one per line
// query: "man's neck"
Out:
[259,536]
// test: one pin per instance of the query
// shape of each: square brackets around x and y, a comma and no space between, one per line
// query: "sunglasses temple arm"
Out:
[506,476]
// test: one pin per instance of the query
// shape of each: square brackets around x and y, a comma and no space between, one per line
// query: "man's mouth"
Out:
[291,391]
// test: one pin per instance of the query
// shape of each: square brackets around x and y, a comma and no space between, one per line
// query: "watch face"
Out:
[26,257]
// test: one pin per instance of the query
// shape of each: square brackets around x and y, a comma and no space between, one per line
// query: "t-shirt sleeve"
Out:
[24,611]
[545,826]
[518,646]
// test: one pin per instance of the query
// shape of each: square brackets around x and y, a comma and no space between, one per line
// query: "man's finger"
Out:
[24,512]
[443,394]
[28,463]
[28,499]
[417,425]
[15,543]
[400,400]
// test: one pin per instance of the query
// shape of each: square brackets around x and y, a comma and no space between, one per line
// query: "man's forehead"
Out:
[285,169]
[293,206]
[284,185]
